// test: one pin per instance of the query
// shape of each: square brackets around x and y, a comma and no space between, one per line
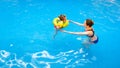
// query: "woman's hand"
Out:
[76,23]
[70,21]
[62,30]
[57,27]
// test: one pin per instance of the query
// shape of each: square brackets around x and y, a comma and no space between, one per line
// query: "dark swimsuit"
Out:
[95,41]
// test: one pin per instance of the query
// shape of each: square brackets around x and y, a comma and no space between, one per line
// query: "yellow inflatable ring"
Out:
[61,24]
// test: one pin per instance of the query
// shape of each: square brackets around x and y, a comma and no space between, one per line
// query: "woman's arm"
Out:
[76,23]
[77,33]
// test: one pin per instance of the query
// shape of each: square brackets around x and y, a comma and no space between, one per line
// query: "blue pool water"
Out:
[26,32]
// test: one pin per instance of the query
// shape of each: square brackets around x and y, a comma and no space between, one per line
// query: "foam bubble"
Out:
[79,38]
[47,65]
[94,58]
[76,52]
[11,45]
[4,53]
[32,41]
[84,55]
[44,59]
[2,60]
[81,50]
[64,60]
[43,54]
[21,62]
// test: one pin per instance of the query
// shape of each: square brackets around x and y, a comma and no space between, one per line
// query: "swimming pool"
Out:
[26,32]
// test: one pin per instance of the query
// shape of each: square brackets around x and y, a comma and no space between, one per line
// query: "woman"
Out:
[88,31]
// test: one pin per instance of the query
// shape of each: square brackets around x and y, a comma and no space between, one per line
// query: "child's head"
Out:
[89,22]
[62,17]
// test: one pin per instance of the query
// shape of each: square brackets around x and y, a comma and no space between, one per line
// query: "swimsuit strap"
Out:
[92,31]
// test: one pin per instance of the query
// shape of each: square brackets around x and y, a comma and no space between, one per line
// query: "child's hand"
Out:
[57,27]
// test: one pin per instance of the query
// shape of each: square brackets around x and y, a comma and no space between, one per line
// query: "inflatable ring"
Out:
[61,24]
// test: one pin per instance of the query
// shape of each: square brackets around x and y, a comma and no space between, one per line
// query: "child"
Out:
[59,23]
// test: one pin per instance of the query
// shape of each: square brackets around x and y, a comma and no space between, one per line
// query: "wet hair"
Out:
[61,17]
[89,22]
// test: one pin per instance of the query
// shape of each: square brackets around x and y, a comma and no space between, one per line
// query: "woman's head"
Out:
[62,17]
[89,23]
